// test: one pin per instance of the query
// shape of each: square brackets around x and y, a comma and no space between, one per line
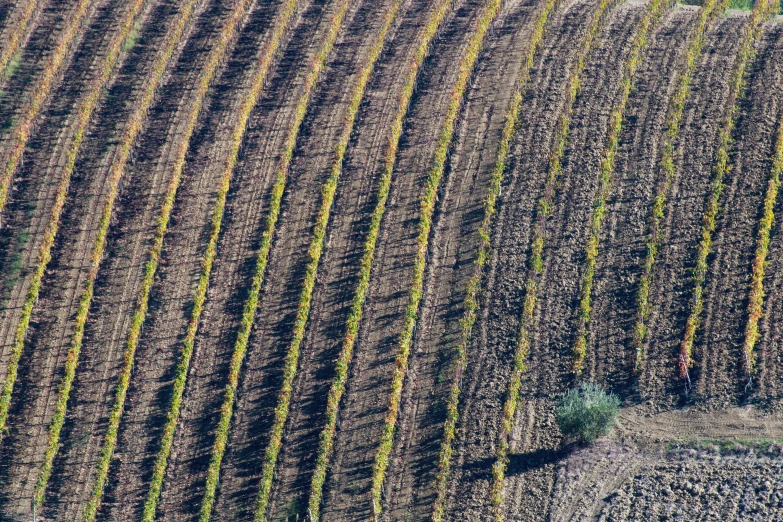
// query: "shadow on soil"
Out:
[524,462]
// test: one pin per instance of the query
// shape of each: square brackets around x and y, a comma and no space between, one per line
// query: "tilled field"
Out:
[337,259]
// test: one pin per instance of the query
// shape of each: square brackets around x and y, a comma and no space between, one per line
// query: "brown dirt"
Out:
[486,380]
[672,285]
[550,354]
[622,248]
[409,490]
[654,467]
[725,316]
[93,392]
[332,297]
[159,349]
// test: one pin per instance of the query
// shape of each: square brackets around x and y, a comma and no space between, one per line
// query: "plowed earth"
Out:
[711,451]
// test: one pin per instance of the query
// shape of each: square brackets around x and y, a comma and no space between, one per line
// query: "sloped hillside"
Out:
[337,259]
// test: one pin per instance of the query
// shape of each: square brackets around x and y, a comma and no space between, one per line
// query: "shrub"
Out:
[587,412]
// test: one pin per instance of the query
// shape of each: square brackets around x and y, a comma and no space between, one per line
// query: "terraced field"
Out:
[337,259]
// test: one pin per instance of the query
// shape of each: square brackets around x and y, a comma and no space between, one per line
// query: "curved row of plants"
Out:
[337,389]
[668,170]
[316,67]
[606,173]
[745,56]
[19,34]
[314,253]
[756,297]
[116,172]
[467,64]
[267,54]
[471,303]
[543,211]
[83,115]
[75,27]
[163,59]
[116,47]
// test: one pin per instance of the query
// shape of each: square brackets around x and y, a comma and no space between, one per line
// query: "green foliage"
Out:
[587,412]
[745,5]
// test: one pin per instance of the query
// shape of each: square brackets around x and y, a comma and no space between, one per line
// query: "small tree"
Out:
[587,412]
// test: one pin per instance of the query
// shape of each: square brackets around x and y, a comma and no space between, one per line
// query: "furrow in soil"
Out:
[332,297]
[257,397]
[454,241]
[623,247]
[723,377]
[18,20]
[768,386]
[133,225]
[92,394]
[672,282]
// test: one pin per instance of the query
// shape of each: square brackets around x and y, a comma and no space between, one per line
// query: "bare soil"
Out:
[713,453]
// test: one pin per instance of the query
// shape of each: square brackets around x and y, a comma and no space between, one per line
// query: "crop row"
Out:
[756,297]
[23,129]
[216,56]
[473,288]
[18,35]
[72,360]
[83,114]
[282,24]
[428,200]
[668,170]
[747,52]
[544,209]
[314,256]
[116,172]
[240,348]
[606,173]
[336,390]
